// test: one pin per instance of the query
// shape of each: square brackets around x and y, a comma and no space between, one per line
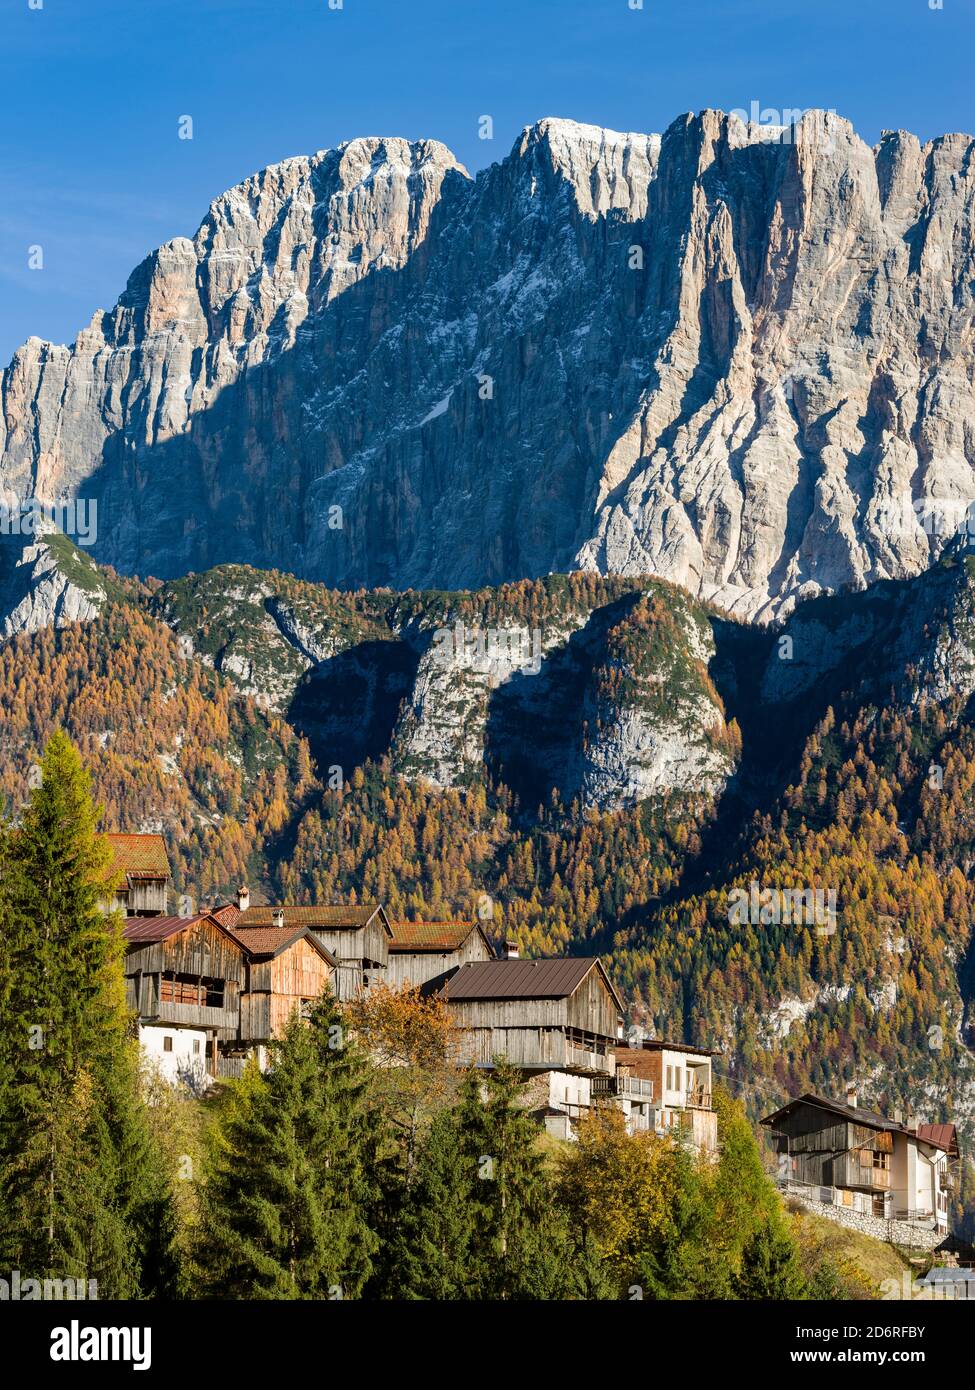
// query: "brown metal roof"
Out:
[142,856]
[524,979]
[271,941]
[142,931]
[941,1136]
[341,918]
[430,936]
[158,928]
[870,1119]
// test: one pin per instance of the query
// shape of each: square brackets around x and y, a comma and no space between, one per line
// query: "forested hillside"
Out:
[297,738]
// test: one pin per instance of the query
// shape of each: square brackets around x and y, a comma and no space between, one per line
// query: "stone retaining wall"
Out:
[897,1232]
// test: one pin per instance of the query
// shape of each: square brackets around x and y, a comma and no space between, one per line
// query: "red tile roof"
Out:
[140,856]
[430,936]
[271,941]
[228,914]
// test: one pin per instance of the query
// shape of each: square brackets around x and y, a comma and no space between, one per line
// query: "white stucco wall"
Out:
[184,1063]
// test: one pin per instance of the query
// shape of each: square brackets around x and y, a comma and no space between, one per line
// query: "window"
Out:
[670,1078]
[881,1160]
[167,1043]
[191,989]
[677,1078]
[196,1047]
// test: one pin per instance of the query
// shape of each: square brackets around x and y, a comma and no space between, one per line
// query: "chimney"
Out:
[851,1094]
[278,917]
[243,898]
[898,1115]
[511,950]
[911,1122]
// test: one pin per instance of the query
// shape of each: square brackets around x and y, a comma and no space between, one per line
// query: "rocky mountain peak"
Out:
[734,356]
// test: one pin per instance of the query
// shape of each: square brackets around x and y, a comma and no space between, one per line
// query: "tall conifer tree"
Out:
[83,1191]
[285,1202]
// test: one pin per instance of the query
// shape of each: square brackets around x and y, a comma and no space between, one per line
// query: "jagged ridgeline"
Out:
[602,762]
[729,356]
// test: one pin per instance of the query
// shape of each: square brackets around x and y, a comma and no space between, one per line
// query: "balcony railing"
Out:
[698,1098]
[629,1087]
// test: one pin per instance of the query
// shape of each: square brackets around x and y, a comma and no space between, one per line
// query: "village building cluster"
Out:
[213,988]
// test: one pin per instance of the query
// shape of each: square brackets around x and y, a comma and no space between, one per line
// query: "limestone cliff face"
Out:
[45,582]
[739,362]
[654,722]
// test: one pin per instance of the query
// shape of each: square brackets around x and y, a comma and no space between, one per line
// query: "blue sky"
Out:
[91,92]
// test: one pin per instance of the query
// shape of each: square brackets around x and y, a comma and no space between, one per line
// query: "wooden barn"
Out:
[356,937]
[144,890]
[426,954]
[287,968]
[558,1021]
[184,977]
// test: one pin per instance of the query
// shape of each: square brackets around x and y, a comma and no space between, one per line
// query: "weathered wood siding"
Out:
[535,1049]
[145,898]
[148,896]
[417,968]
[347,983]
[369,943]
[592,1008]
[255,1017]
[299,972]
[277,987]
[201,952]
[829,1151]
[509,1013]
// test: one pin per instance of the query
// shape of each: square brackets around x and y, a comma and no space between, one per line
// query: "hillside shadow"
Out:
[347,706]
[535,724]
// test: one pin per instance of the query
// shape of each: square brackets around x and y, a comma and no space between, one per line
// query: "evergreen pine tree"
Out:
[434,1247]
[351,1144]
[79,1181]
[264,1232]
[511,1198]
[770,1268]
[284,1204]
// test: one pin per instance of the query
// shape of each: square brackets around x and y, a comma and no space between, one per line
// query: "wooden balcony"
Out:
[698,1099]
[626,1087]
[533,1049]
[165,1001]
